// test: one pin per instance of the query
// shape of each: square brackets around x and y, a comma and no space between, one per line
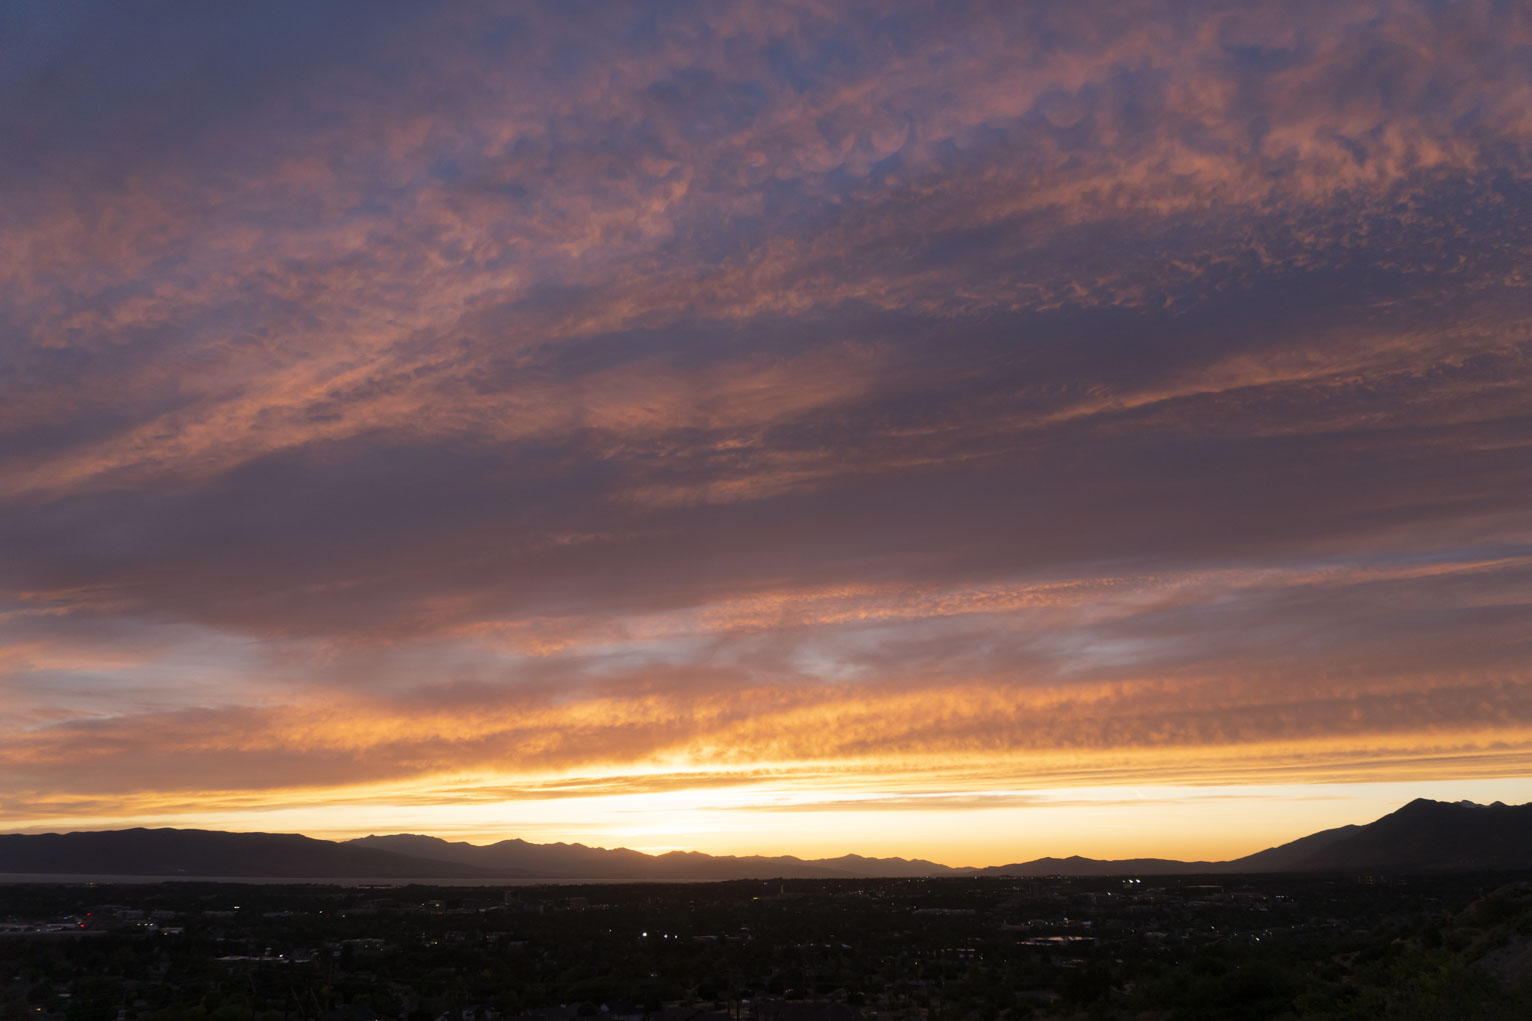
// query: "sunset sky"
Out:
[971,431]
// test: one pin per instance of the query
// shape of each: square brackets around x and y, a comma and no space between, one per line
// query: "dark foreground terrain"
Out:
[1442,946]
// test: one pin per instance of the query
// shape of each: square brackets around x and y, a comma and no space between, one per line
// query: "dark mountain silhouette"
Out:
[577,861]
[1427,836]
[169,852]
[1423,836]
[887,868]
[1290,857]
[1075,865]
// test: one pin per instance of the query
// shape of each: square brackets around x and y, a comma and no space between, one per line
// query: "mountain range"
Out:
[1422,836]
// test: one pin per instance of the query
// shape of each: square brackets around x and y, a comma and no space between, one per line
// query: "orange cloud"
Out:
[1072,390]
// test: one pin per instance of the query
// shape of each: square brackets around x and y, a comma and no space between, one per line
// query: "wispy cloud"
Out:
[387,391]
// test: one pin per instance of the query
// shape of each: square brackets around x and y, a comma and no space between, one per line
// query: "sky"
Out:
[969,431]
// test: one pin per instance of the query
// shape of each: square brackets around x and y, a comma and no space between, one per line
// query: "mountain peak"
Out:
[1422,836]
[1429,805]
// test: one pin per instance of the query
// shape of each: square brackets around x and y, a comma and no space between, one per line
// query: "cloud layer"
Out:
[412,396]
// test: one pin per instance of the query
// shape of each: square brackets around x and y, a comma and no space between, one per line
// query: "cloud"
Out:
[392,390]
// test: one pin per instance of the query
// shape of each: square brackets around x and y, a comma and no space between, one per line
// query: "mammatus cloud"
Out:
[1067,390]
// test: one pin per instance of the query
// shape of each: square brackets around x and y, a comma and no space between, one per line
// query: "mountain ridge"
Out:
[1421,836]
[174,852]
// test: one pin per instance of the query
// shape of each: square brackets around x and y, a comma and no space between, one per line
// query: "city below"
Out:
[1424,913]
